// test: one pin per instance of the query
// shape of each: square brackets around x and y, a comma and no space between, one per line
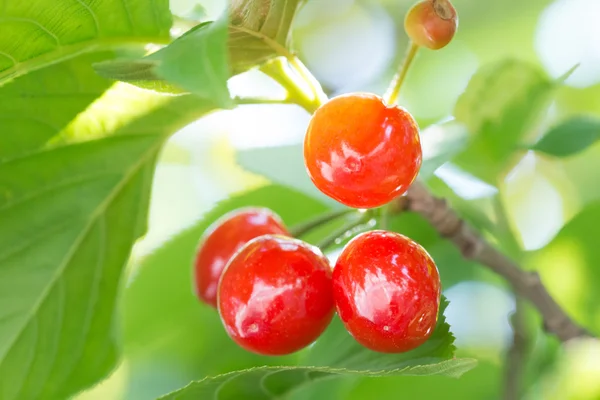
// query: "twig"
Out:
[517,354]
[527,285]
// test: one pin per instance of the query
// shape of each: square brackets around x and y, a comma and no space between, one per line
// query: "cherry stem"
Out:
[343,231]
[394,90]
[287,71]
[305,227]
[384,217]
[259,100]
[319,96]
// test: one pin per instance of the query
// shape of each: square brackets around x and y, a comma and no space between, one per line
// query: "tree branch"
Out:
[517,354]
[527,285]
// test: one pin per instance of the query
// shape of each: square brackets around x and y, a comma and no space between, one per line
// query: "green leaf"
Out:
[440,144]
[38,33]
[197,62]
[569,267]
[335,354]
[290,169]
[194,63]
[73,199]
[570,137]
[500,106]
[32,113]
[480,383]
[259,31]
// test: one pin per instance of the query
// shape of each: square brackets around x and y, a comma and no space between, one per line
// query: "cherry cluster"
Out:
[277,294]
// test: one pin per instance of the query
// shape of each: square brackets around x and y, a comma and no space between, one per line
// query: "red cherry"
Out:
[361,152]
[431,23]
[275,295]
[387,291]
[222,239]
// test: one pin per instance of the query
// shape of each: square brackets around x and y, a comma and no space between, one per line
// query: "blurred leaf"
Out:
[569,267]
[73,199]
[575,376]
[37,34]
[283,165]
[335,354]
[176,329]
[500,106]
[440,144]
[196,62]
[570,137]
[259,31]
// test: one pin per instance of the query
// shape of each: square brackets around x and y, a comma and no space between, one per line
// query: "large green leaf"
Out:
[37,33]
[33,110]
[73,199]
[570,137]
[335,354]
[500,106]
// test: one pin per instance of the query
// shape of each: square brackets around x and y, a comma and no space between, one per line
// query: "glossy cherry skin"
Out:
[431,23]
[387,291]
[222,239]
[361,152]
[275,295]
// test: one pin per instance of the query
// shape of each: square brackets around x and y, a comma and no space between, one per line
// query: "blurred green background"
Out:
[353,45]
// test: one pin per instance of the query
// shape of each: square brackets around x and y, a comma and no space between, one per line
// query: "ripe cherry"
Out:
[275,295]
[222,239]
[431,23]
[387,291]
[362,152]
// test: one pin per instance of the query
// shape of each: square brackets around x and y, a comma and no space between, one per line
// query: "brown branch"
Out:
[516,356]
[473,246]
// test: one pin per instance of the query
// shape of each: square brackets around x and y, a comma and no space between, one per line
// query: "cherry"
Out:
[275,295]
[362,152]
[386,290]
[222,239]
[431,23]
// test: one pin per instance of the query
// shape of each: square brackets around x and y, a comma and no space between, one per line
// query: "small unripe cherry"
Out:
[431,23]
[222,239]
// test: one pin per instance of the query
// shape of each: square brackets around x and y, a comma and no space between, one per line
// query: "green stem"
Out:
[258,100]
[319,96]
[305,227]
[394,90]
[279,71]
[339,233]
[384,217]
